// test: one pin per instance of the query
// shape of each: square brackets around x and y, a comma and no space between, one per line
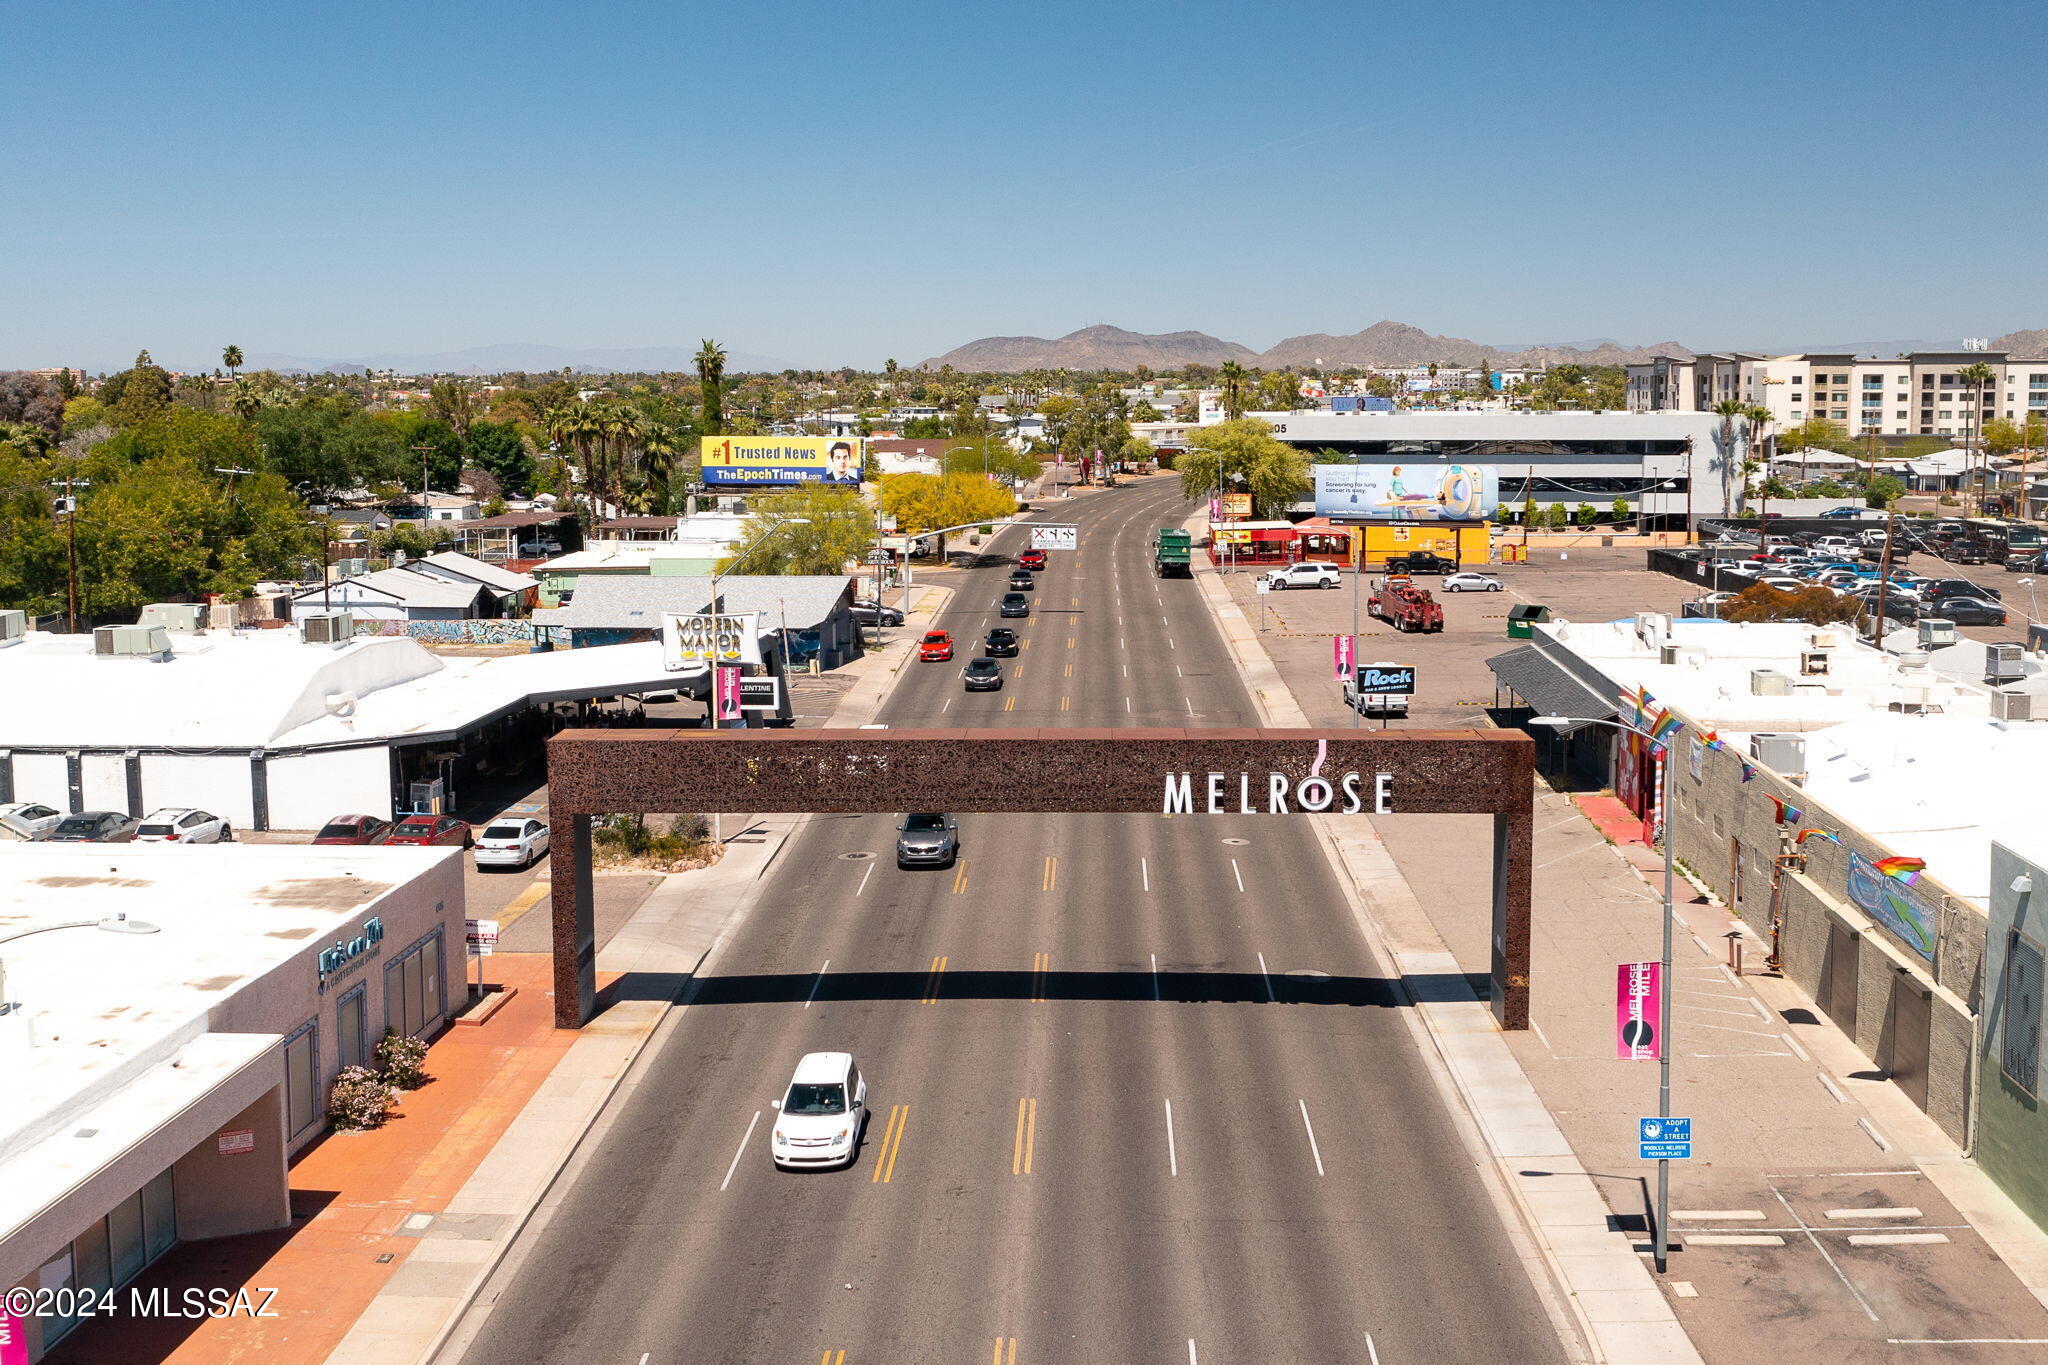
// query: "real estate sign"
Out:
[1415,490]
[782,460]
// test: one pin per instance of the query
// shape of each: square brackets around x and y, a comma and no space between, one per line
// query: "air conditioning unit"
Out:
[1652,627]
[1813,663]
[1667,654]
[2012,706]
[187,618]
[1784,755]
[1769,682]
[327,627]
[1937,632]
[2003,663]
[13,625]
[131,642]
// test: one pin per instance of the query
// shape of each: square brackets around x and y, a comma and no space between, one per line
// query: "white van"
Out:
[822,1113]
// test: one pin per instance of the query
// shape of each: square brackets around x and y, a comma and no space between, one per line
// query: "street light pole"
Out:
[1661,1234]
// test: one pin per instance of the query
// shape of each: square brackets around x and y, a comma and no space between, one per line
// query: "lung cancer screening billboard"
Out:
[772,460]
[1415,490]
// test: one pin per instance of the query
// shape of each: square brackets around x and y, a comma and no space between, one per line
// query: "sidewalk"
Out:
[1822,1208]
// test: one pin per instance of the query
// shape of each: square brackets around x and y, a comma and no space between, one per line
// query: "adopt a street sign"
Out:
[1659,1139]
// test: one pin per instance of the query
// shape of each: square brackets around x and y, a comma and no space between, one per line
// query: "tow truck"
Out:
[1397,601]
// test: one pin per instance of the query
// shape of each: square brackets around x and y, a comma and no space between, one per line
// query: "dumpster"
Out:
[1522,616]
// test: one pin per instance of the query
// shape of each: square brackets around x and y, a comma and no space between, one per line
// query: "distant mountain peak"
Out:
[1099,346]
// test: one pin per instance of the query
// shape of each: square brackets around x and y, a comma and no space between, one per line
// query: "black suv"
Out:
[1957,587]
[1001,643]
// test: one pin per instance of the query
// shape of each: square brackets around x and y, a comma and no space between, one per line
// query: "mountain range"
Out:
[1382,345]
[507,357]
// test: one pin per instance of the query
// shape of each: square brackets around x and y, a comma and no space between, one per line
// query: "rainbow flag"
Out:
[1667,725]
[1712,739]
[1748,769]
[1906,870]
[1815,833]
[1788,814]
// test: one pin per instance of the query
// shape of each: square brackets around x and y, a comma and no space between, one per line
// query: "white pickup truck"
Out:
[1303,576]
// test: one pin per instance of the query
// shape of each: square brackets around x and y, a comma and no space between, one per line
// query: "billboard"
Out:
[760,461]
[1414,491]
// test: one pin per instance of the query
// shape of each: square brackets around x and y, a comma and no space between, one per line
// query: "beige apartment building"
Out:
[1920,394]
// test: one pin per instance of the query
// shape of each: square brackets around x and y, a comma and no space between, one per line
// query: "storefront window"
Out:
[159,1216]
[124,1238]
[350,1022]
[300,1092]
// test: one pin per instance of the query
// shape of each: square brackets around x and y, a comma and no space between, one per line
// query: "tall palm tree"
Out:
[1977,376]
[1236,379]
[1728,410]
[232,358]
[711,379]
[889,369]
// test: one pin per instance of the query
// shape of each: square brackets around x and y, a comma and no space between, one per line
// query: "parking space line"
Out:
[1854,1293]
[1889,1239]
[931,983]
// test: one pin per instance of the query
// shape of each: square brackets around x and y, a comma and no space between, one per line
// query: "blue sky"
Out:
[842,183]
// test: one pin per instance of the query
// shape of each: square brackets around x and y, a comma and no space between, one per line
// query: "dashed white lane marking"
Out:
[1155,976]
[1173,1168]
[819,982]
[737,1155]
[1372,1352]
[1313,1149]
[864,879]
[1267,977]
[1237,873]
[1145,875]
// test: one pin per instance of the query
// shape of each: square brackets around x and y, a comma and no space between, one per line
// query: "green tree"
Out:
[231,356]
[1236,381]
[1977,378]
[1585,514]
[1244,454]
[454,402]
[1278,391]
[711,388]
[498,449]
[930,502]
[32,565]
[1621,511]
[1557,518]
[141,392]
[2003,436]
[838,528]
[329,446]
[1883,490]
[1530,514]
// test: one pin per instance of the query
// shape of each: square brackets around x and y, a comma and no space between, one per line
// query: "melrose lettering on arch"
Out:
[1279,794]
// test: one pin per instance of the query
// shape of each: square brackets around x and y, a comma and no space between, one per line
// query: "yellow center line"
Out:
[1017,671]
[1041,965]
[960,876]
[998,1357]
[1074,602]
[1009,703]
[1027,1137]
[830,1359]
[1052,869]
[1066,703]
[1070,671]
[931,985]
[1024,643]
[1070,642]
[892,1143]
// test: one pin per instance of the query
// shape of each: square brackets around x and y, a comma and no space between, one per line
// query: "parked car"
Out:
[28,820]
[1969,611]
[1000,644]
[927,839]
[983,675]
[1014,604]
[353,829]
[1471,582]
[868,612]
[1784,582]
[1961,551]
[1032,559]
[935,647]
[93,827]
[424,830]
[1302,576]
[1958,587]
[1022,581]
[2025,563]
[1421,561]
[820,1116]
[512,843]
[178,826]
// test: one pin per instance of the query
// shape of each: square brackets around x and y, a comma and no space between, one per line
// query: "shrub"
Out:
[1557,517]
[401,1060]
[1815,605]
[359,1099]
[1586,514]
[1621,511]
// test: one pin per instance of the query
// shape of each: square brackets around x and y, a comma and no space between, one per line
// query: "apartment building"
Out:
[1921,394]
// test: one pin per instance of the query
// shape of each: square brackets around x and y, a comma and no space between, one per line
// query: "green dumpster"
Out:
[1522,616]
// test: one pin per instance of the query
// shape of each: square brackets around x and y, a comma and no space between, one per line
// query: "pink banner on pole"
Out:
[728,680]
[1638,1011]
[1346,647]
[13,1339]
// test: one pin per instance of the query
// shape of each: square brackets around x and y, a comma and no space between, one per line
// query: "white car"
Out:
[821,1114]
[511,843]
[1785,583]
[1303,576]
[1471,582]
[27,820]
[175,825]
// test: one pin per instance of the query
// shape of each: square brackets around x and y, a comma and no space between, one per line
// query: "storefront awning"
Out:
[1545,685]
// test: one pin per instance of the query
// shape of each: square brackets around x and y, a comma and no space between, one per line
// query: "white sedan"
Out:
[178,825]
[27,820]
[511,843]
[1471,582]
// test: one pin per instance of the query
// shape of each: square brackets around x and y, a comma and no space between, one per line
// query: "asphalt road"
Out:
[1110,1121]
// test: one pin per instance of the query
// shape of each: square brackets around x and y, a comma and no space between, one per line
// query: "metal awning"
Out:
[1545,685]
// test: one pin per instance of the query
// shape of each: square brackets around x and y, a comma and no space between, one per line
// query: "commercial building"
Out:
[1919,394]
[271,730]
[646,547]
[1665,465]
[1806,759]
[162,1068]
[800,617]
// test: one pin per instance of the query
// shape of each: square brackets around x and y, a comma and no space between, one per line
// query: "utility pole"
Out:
[1884,572]
[71,551]
[1690,534]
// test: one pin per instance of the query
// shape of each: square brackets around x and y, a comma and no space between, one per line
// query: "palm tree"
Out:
[232,358]
[1977,376]
[1236,379]
[710,378]
[889,368]
[1728,409]
[1755,418]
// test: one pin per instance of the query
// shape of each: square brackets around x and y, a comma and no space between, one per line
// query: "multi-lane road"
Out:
[1140,1091]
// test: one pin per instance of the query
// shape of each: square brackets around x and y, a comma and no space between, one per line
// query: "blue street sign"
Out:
[1664,1139]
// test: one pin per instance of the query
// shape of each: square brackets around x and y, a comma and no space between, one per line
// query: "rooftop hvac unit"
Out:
[327,627]
[1784,755]
[2012,705]
[131,642]
[1769,682]
[1652,627]
[1936,632]
[187,618]
[2003,664]
[1813,663]
[13,625]
[1667,654]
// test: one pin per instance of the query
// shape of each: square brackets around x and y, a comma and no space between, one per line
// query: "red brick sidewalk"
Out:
[350,1195]
[1623,828]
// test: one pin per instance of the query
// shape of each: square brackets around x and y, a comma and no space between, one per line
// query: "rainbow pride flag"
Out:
[1788,814]
[1815,833]
[1905,870]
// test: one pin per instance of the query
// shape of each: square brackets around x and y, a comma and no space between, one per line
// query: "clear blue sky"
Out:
[848,182]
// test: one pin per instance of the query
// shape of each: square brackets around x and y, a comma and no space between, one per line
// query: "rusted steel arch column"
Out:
[575,922]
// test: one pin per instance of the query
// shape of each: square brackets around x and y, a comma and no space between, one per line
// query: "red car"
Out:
[1033,560]
[935,647]
[353,829]
[431,829]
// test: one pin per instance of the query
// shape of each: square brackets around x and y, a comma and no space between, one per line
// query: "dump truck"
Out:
[1170,553]
[1397,601]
